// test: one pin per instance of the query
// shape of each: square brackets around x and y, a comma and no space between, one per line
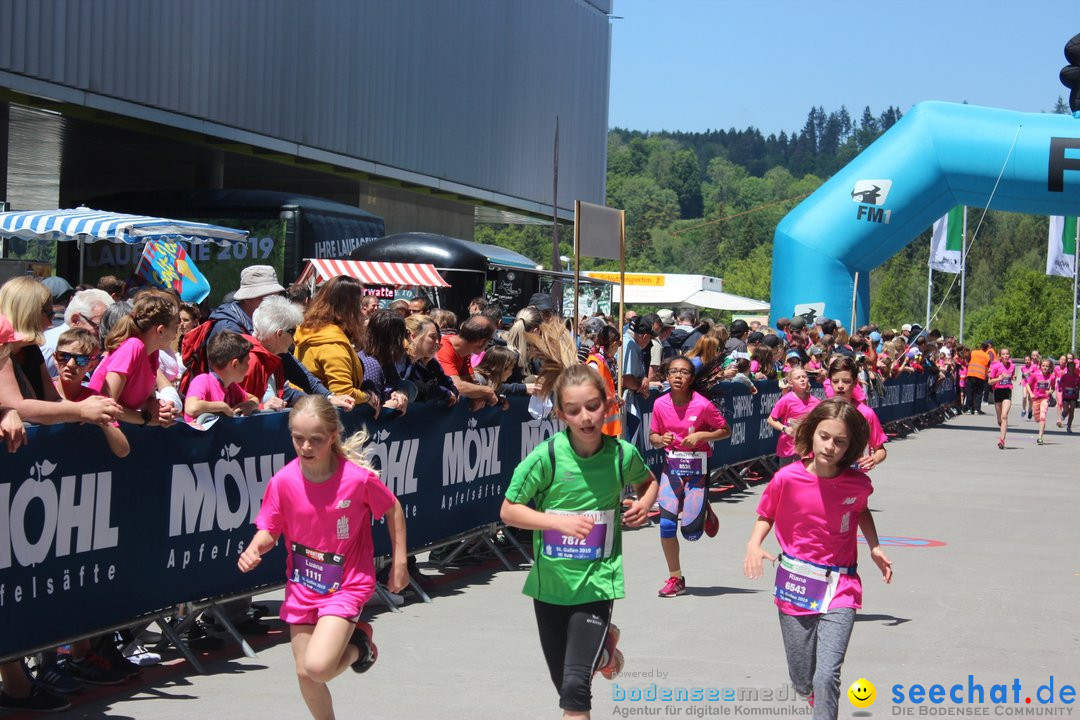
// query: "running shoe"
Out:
[57,679]
[39,700]
[361,638]
[611,658]
[93,670]
[1039,441]
[712,523]
[674,586]
[1060,424]
[1001,444]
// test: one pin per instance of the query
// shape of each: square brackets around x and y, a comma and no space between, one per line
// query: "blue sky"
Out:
[700,64]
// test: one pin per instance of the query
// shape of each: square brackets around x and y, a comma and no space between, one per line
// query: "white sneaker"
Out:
[139,655]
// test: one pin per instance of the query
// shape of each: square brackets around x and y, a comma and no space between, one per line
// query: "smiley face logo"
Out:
[862,693]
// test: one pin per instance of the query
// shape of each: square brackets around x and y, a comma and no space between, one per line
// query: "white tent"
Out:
[673,290]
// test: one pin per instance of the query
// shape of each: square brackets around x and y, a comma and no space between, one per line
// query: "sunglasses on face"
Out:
[63,358]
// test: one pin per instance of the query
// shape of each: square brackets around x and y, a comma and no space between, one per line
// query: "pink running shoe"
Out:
[611,658]
[674,586]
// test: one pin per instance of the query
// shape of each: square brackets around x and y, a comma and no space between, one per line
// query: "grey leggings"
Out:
[815,647]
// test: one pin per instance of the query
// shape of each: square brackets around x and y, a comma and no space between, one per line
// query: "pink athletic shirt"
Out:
[877,435]
[817,520]
[857,392]
[130,360]
[335,517]
[1040,384]
[699,412]
[789,407]
[209,387]
[998,369]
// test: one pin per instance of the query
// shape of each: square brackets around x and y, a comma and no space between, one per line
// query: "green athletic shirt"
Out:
[582,484]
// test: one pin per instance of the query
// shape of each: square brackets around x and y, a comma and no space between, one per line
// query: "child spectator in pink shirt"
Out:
[218,392]
[129,373]
[77,352]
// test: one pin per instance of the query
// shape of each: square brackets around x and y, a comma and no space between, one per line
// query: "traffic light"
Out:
[1070,74]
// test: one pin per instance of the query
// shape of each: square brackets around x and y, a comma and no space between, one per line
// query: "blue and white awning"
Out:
[88,226]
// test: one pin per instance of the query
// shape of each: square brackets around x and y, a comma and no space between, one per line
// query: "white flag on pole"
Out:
[947,242]
[1061,246]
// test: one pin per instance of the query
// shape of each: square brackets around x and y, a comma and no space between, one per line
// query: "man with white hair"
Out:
[272,364]
[85,310]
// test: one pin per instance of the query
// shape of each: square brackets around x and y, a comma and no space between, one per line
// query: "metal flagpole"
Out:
[963,274]
[1076,269]
[929,289]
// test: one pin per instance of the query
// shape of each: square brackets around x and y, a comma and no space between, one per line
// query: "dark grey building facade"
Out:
[420,111]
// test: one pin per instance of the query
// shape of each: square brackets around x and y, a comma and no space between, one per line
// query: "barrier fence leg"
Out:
[520,548]
[385,595]
[231,629]
[174,637]
[454,553]
[418,590]
[498,553]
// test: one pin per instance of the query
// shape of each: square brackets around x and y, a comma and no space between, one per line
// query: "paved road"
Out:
[986,580]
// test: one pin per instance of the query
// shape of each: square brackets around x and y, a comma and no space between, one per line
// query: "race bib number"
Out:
[686,463]
[1070,393]
[804,585]
[1042,385]
[594,546]
[318,571]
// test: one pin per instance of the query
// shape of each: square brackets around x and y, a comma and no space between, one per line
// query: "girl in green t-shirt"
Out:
[575,481]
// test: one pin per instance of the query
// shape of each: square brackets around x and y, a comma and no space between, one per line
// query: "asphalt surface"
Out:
[986,576]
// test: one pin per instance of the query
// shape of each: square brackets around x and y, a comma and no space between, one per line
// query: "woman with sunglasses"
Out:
[683,424]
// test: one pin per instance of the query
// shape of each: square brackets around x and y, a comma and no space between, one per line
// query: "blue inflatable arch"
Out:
[938,156]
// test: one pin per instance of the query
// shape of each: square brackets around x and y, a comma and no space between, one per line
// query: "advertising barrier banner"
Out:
[90,541]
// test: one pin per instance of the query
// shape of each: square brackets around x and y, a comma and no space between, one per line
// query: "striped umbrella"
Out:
[84,225]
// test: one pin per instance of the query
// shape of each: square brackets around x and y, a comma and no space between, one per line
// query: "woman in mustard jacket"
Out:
[326,340]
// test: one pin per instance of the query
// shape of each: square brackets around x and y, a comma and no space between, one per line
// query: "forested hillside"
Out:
[709,203]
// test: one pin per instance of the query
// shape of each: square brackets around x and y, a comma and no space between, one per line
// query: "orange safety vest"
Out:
[612,423]
[978,364]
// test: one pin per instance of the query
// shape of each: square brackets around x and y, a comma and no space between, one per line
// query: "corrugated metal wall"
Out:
[460,90]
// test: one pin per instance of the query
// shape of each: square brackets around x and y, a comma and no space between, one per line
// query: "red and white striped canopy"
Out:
[374,273]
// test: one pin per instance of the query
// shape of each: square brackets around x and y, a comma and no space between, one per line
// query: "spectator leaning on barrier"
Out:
[423,369]
[130,372]
[85,310]
[256,283]
[325,340]
[24,384]
[77,352]
[384,358]
[274,372]
[218,392]
[454,356]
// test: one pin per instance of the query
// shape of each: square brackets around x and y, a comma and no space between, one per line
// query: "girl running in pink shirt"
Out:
[788,411]
[1002,375]
[815,507]
[842,372]
[1059,370]
[324,502]
[1041,383]
[684,422]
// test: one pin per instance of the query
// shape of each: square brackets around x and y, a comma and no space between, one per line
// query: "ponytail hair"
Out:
[350,448]
[151,308]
